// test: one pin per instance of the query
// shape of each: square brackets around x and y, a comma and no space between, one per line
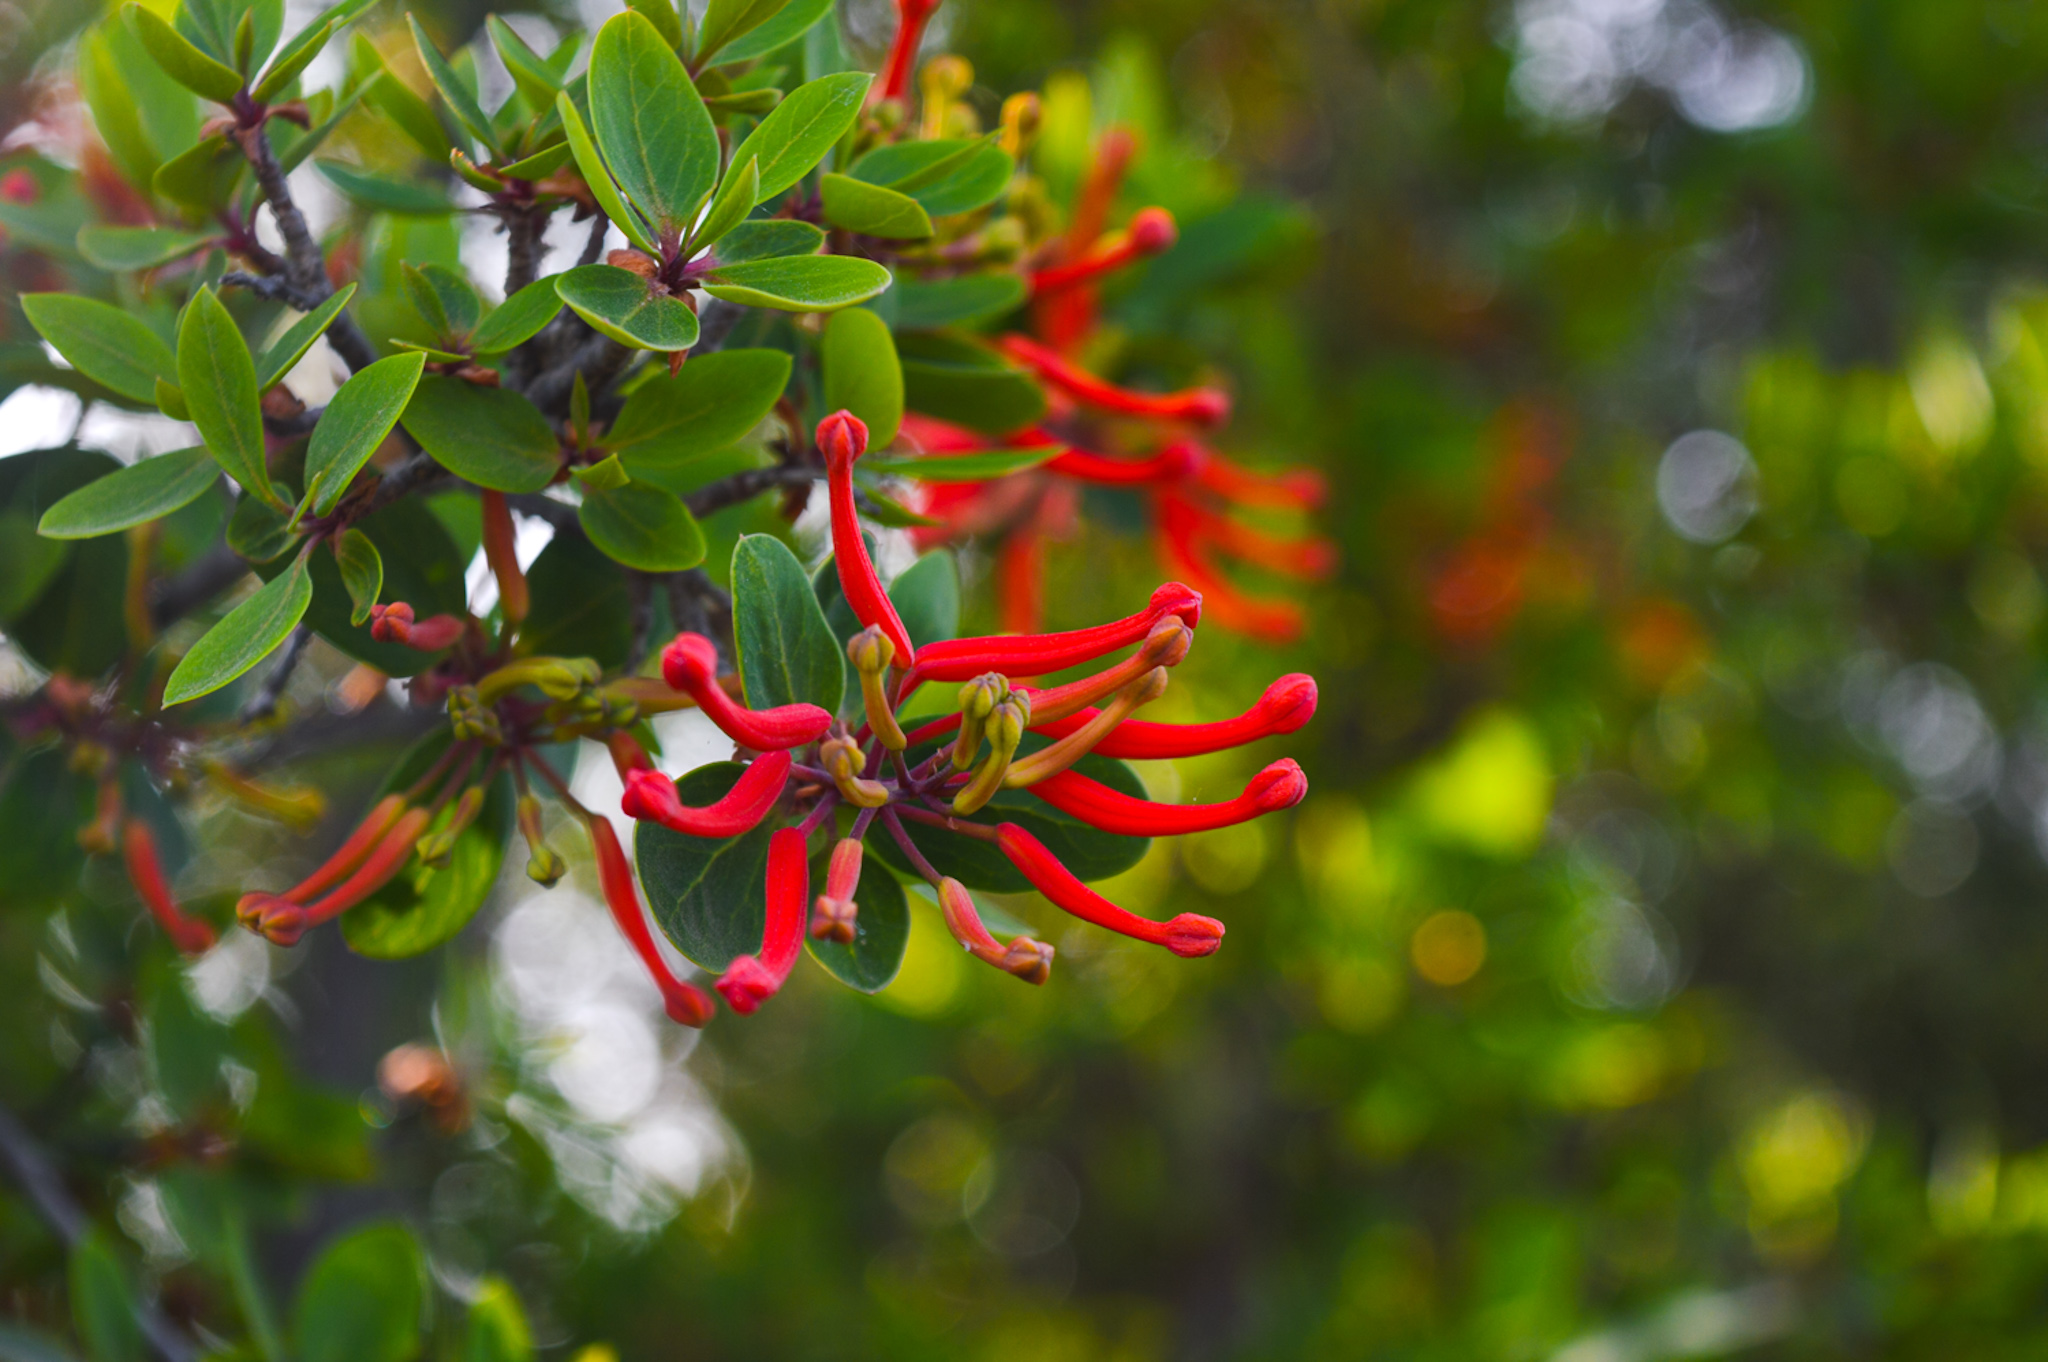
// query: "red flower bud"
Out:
[146,873]
[284,921]
[1203,406]
[651,796]
[691,664]
[1029,960]
[751,980]
[350,854]
[1151,231]
[685,1003]
[499,538]
[911,16]
[1280,786]
[844,438]
[1189,934]
[394,623]
[835,914]
[1017,655]
[1288,703]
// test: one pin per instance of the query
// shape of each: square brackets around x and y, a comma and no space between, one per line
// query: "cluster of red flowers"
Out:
[1110,436]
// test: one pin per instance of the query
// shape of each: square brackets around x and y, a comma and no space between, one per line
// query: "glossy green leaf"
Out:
[424,907]
[809,283]
[789,24]
[453,92]
[362,572]
[580,607]
[881,930]
[361,1299]
[497,1329]
[102,342]
[445,298]
[103,1300]
[947,177]
[518,319]
[260,531]
[887,511]
[217,375]
[662,14]
[422,565]
[604,475]
[116,114]
[296,57]
[862,374]
[768,240]
[625,307]
[728,20]
[412,198]
[133,496]
[959,301]
[357,419]
[977,466]
[642,526]
[244,637]
[185,62]
[793,139]
[138,248]
[1089,852]
[787,652]
[540,165]
[650,122]
[584,149]
[287,350]
[395,100]
[201,178]
[711,403]
[872,210]
[967,383]
[492,437]
[529,71]
[732,203]
[707,894]
[927,598]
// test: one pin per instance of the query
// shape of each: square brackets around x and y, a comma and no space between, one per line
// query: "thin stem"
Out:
[978,831]
[263,703]
[895,826]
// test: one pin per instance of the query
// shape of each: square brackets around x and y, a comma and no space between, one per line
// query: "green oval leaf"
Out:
[927,598]
[732,203]
[787,652]
[201,178]
[287,350]
[713,401]
[528,69]
[707,894]
[955,302]
[642,526]
[794,20]
[454,93]
[580,607]
[424,907]
[806,283]
[218,378]
[489,436]
[651,123]
[135,495]
[260,531]
[408,198]
[881,931]
[862,374]
[361,414]
[967,383]
[362,572]
[947,176]
[137,248]
[422,565]
[103,1300]
[806,125]
[872,210]
[518,319]
[184,62]
[445,298]
[728,20]
[620,304]
[765,240]
[360,1301]
[602,186]
[245,637]
[102,342]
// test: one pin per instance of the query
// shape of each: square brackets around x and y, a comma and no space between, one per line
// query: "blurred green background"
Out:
[1656,967]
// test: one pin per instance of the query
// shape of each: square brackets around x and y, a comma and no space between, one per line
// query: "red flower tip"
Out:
[273,917]
[1174,598]
[1203,406]
[391,623]
[751,980]
[842,437]
[394,623]
[1280,786]
[18,186]
[1153,230]
[690,664]
[746,984]
[651,797]
[1288,703]
[1191,936]
[146,873]
[685,1003]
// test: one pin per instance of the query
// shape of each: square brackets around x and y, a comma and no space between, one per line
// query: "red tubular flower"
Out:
[1020,579]
[1170,464]
[1016,655]
[1188,935]
[1308,558]
[1297,488]
[690,664]
[911,17]
[835,914]
[752,980]
[499,539]
[1203,406]
[685,1003]
[651,797]
[1066,316]
[350,854]
[1287,704]
[146,873]
[1280,786]
[1151,231]
[627,754]
[394,623]
[1275,621]
[843,438]
[1029,960]
[283,920]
